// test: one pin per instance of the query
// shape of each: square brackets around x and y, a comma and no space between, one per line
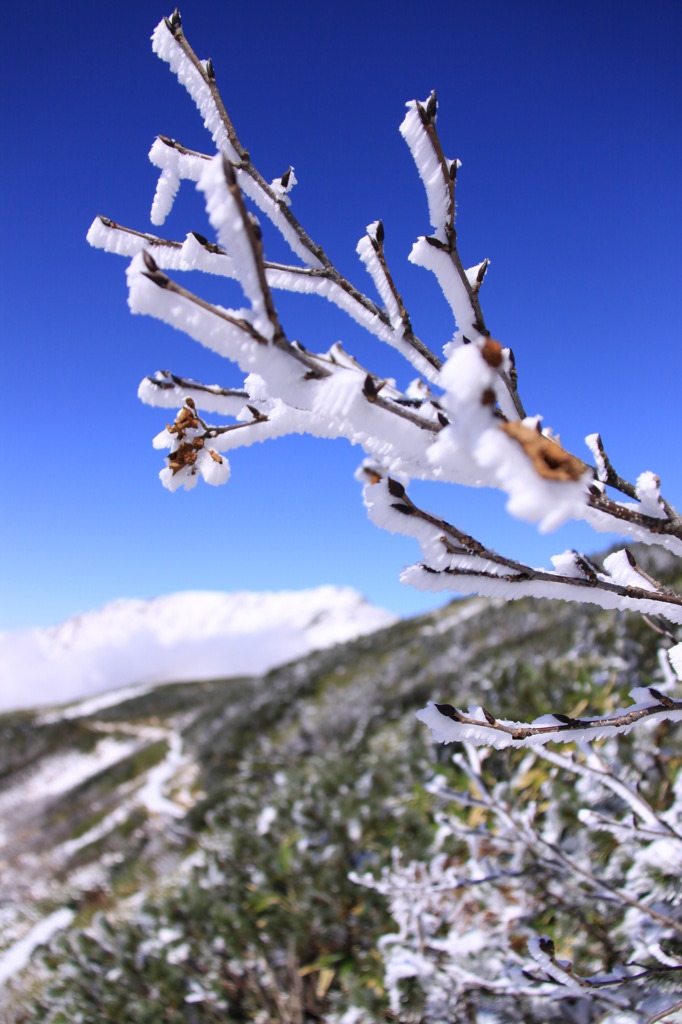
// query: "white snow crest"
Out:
[226,219]
[219,333]
[167,48]
[429,167]
[438,261]
[675,658]
[367,254]
[18,955]
[174,166]
[181,637]
[621,570]
[648,489]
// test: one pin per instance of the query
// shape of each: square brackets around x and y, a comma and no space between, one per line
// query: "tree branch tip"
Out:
[406,510]
[662,698]
[566,719]
[174,22]
[482,272]
[430,108]
[448,711]
[149,262]
[371,387]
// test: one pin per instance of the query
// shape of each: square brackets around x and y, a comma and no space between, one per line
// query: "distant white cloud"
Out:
[182,637]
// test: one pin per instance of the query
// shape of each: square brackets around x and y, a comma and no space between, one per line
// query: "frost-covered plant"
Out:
[461,421]
[596,862]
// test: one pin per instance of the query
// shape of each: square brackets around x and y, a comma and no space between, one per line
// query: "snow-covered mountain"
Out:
[186,636]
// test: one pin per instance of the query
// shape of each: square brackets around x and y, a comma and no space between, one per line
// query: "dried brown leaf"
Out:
[550,460]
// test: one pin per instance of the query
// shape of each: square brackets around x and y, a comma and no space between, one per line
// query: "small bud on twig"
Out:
[449,712]
[662,698]
[492,352]
[174,23]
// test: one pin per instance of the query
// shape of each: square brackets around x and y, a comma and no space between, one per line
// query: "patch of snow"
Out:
[151,794]
[183,637]
[60,773]
[460,612]
[18,955]
[92,705]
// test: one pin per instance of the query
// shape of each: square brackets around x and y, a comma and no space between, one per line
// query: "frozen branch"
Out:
[462,422]
[456,561]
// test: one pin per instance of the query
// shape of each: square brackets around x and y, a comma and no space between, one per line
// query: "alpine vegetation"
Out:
[539,860]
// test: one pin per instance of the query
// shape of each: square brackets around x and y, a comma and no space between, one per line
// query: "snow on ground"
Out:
[460,612]
[151,795]
[92,705]
[182,637]
[18,955]
[58,774]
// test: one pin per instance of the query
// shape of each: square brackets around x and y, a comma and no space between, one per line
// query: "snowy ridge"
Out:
[182,637]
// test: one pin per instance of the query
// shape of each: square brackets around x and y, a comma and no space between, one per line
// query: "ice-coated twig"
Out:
[439,252]
[168,391]
[465,919]
[466,565]
[198,77]
[229,343]
[462,422]
[477,725]
[595,768]
[240,236]
[531,837]
[370,249]
[664,1014]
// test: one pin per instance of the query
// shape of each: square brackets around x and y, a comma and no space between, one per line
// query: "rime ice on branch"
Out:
[461,421]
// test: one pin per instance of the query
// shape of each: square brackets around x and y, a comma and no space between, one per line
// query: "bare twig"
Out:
[664,1013]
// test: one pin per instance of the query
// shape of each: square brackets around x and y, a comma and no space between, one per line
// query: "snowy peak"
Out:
[182,637]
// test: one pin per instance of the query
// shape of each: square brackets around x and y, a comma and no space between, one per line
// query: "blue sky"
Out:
[566,119]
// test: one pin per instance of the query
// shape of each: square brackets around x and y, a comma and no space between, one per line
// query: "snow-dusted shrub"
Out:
[461,421]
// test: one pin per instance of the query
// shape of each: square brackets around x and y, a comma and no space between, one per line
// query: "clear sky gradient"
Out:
[566,117]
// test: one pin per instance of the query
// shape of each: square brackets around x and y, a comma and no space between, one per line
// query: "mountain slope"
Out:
[202,834]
